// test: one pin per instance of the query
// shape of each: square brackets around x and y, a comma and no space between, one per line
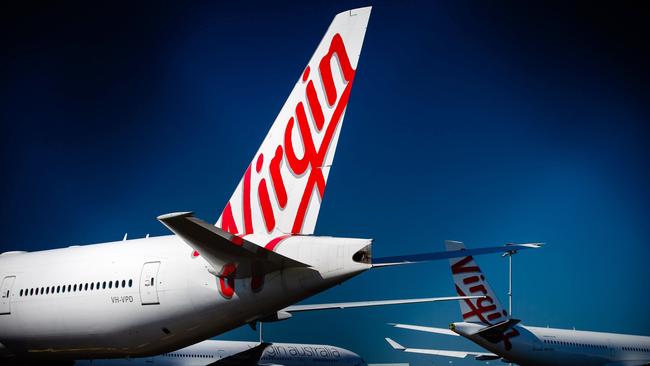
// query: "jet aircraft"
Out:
[154,295]
[488,324]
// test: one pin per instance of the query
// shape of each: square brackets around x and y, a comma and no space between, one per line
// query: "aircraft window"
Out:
[69,288]
[130,283]
[104,285]
[110,284]
[92,286]
[123,283]
[42,290]
[47,290]
[86,287]
[152,281]
[74,288]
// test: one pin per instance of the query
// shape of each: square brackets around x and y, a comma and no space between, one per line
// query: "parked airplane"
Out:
[226,353]
[155,295]
[486,323]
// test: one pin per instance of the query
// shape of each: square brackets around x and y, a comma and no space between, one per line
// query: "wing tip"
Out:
[173,215]
[394,344]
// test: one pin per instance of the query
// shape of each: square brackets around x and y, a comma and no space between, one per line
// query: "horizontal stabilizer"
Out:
[363,304]
[219,247]
[433,256]
[249,357]
[494,333]
[420,328]
[438,352]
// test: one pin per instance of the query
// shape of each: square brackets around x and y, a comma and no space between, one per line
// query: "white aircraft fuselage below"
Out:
[250,353]
[183,306]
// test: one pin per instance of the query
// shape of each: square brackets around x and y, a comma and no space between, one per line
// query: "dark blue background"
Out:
[483,122]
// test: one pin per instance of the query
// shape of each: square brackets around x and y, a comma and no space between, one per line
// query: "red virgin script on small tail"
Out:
[484,308]
[312,159]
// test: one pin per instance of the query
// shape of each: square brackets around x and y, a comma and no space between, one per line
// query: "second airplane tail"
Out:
[469,280]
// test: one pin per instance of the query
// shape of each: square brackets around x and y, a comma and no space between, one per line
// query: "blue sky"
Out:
[481,122]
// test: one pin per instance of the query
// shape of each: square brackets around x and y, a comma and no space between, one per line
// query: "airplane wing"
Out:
[420,328]
[361,304]
[220,247]
[482,356]
[433,256]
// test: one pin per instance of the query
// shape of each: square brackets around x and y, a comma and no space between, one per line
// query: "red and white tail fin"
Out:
[283,186]
[469,280]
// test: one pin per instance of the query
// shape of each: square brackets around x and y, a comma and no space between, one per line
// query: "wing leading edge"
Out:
[433,256]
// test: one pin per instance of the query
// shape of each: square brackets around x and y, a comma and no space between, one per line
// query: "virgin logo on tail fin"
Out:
[283,186]
[469,280]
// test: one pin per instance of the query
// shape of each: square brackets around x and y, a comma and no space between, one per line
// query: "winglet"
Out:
[395,345]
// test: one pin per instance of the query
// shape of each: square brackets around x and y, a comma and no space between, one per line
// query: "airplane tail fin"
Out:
[469,280]
[283,186]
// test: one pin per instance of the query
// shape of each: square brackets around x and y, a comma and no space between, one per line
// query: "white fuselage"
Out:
[147,296]
[550,346]
[207,352]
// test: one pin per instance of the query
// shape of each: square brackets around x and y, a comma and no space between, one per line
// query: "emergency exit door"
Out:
[5,294]
[149,283]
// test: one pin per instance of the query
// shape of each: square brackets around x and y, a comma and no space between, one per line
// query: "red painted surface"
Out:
[227,280]
[311,161]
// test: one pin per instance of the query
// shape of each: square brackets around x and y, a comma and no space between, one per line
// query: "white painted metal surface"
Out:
[5,294]
[149,283]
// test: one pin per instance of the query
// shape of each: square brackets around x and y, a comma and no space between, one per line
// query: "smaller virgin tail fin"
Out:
[469,280]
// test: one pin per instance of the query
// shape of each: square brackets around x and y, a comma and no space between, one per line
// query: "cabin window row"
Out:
[637,349]
[90,286]
[595,346]
[187,355]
